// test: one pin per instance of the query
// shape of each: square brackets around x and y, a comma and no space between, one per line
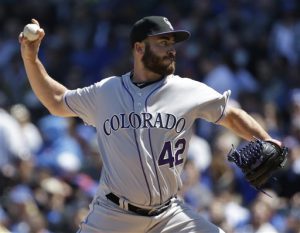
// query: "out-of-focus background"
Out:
[50,166]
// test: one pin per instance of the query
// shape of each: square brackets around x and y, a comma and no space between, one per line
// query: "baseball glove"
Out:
[259,160]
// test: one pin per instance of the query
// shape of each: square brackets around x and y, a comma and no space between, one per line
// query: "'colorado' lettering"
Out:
[143,120]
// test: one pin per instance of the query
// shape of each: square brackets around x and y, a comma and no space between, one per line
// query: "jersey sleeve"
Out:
[215,106]
[82,102]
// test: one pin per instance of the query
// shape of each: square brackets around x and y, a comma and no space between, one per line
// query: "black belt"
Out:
[140,211]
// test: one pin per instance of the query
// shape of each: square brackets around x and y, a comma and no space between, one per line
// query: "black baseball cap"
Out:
[154,26]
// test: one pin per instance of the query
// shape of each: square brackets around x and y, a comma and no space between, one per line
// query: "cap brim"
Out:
[179,35]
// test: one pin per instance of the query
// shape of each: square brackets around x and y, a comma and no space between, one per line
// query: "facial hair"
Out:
[156,63]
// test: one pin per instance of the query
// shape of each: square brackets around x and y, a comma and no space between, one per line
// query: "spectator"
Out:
[60,152]
[293,220]
[12,143]
[260,220]
[193,191]
[199,152]
[31,133]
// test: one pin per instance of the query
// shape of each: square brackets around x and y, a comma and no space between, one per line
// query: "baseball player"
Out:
[144,123]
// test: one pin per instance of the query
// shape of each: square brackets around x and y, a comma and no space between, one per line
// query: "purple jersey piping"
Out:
[152,154]
[86,220]
[139,152]
[227,97]
[66,101]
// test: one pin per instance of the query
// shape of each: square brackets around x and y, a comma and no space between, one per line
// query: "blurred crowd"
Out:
[50,166]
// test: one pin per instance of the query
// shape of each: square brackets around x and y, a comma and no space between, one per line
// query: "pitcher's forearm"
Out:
[244,125]
[47,90]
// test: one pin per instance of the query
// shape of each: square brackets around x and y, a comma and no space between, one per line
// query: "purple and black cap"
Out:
[154,26]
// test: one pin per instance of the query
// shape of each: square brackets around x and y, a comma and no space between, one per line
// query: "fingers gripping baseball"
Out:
[30,40]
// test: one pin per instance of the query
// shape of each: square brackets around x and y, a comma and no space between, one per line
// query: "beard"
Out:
[156,63]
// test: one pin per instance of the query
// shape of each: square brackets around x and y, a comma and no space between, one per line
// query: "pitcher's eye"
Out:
[164,43]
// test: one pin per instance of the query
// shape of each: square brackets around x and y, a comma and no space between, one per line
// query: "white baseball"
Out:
[31,31]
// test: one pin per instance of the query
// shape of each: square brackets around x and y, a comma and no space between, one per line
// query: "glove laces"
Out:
[246,156]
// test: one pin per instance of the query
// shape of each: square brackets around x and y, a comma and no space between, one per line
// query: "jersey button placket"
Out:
[139,102]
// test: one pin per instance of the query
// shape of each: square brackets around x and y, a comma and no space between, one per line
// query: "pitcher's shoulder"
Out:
[179,80]
[112,80]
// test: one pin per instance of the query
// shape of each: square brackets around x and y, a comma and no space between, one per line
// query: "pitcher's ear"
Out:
[139,47]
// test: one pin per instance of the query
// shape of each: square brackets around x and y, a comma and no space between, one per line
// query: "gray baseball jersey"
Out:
[143,133]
